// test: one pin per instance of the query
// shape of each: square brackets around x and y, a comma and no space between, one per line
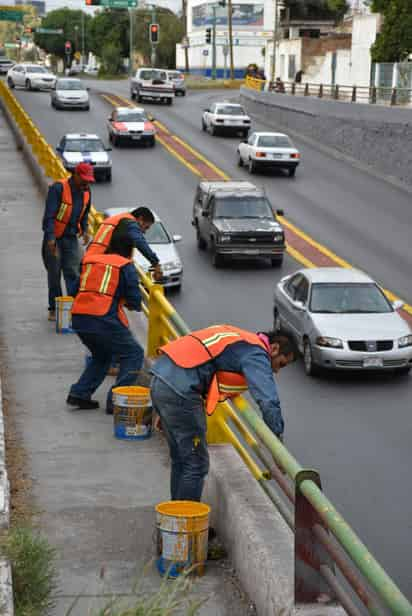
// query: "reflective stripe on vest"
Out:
[104,233]
[99,281]
[202,346]
[64,213]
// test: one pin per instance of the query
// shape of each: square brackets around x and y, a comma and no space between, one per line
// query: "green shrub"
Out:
[32,562]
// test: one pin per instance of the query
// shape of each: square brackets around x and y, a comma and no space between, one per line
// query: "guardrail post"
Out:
[372,95]
[393,97]
[354,94]
[155,328]
[336,93]
[293,88]
[306,92]
[310,555]
[320,93]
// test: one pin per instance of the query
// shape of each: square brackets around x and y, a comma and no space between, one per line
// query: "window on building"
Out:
[291,67]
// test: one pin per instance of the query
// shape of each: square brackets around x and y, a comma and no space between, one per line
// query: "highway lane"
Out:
[357,431]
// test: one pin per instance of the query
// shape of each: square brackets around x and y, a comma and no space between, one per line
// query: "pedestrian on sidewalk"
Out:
[65,218]
[108,282]
[199,370]
[132,225]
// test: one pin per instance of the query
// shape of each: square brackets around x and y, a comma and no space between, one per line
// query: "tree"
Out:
[394,42]
[317,9]
[67,20]
[107,28]
[171,29]
[111,59]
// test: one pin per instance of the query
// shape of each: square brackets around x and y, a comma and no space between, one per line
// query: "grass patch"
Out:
[34,574]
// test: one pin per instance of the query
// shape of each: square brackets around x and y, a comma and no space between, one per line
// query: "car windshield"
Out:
[274,141]
[66,84]
[135,116]
[230,110]
[36,69]
[157,234]
[84,145]
[149,74]
[175,76]
[348,298]
[243,207]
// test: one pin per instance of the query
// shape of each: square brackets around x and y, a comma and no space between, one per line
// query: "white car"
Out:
[76,148]
[163,244]
[5,65]
[91,70]
[268,150]
[226,118]
[70,94]
[152,83]
[31,77]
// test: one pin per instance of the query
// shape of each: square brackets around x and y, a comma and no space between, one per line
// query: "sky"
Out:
[80,4]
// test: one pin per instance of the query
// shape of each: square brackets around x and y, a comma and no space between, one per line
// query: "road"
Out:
[356,430]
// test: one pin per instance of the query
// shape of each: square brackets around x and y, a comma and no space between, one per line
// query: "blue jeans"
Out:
[116,342]
[67,262]
[184,425]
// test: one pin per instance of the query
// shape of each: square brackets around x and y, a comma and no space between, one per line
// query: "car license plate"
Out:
[373,362]
[251,251]
[277,156]
[136,136]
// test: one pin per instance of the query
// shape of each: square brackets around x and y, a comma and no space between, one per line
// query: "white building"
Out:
[252,25]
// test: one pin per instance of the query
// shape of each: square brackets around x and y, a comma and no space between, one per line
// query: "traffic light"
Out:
[93,2]
[222,3]
[154,33]
[208,35]
[68,48]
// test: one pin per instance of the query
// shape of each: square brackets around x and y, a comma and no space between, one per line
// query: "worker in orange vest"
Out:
[196,372]
[108,282]
[65,218]
[132,225]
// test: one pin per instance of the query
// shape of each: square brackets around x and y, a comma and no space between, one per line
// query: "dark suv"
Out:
[235,219]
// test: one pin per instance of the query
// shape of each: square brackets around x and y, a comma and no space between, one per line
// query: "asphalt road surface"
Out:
[356,430]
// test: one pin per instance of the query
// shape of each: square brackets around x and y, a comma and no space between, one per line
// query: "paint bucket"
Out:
[182,532]
[64,314]
[132,412]
[112,371]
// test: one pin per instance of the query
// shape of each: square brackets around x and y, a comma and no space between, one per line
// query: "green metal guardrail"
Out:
[322,537]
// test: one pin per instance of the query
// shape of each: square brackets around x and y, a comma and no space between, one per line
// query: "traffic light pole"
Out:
[153,55]
[131,42]
[214,43]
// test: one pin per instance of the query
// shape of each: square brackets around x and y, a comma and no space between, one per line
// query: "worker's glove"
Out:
[86,239]
[157,272]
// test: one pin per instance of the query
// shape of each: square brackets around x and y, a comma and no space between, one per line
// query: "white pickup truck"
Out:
[152,83]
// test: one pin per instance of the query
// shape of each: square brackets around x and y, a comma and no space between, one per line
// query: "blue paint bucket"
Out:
[132,413]
[64,314]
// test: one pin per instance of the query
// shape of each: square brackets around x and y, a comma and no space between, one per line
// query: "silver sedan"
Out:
[341,319]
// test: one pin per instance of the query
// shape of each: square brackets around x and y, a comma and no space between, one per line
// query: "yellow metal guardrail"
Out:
[255,84]
[312,517]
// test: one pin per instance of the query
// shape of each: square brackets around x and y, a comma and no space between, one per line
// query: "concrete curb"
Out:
[6,585]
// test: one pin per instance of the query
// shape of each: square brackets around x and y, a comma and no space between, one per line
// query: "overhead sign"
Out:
[49,30]
[119,4]
[247,15]
[13,13]
[11,45]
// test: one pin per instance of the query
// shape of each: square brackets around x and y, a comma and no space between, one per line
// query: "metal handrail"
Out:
[238,423]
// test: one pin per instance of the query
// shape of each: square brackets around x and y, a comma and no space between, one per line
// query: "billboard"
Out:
[242,15]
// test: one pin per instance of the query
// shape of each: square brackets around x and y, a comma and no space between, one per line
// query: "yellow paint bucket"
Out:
[182,528]
[64,314]
[132,412]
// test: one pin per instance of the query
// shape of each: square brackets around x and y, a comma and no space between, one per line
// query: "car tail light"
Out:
[149,126]
[296,155]
[260,154]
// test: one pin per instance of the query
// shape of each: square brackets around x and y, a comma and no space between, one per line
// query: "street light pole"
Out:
[131,42]
[83,50]
[153,55]
[275,38]
[214,43]
[229,21]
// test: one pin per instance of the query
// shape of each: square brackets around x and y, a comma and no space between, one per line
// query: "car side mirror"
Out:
[280,212]
[88,89]
[206,109]
[397,304]
[110,119]
[59,149]
[298,305]
[177,238]
[108,149]
[205,214]
[244,142]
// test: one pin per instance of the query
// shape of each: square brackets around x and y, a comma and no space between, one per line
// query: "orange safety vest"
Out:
[65,210]
[104,233]
[99,280]
[204,345]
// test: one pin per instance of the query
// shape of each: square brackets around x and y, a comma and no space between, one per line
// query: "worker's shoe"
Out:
[52,315]
[81,403]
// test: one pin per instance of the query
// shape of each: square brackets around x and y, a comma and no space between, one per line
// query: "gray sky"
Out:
[81,4]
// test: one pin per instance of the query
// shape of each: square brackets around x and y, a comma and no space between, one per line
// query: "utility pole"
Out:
[229,22]
[186,47]
[275,39]
[83,50]
[214,43]
[131,15]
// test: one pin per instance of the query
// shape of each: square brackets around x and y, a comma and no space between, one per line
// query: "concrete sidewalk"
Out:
[93,495]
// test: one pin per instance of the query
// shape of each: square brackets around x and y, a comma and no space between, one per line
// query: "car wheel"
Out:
[115,140]
[87,108]
[10,83]
[132,95]
[251,166]
[310,367]
[292,172]
[169,101]
[245,134]
[404,371]
[183,93]
[217,259]
[28,84]
[152,142]
[213,130]
[277,325]
[201,244]
[109,175]
[204,127]
[239,160]
[138,98]
[276,261]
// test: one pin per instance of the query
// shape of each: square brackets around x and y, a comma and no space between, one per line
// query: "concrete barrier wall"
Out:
[379,137]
